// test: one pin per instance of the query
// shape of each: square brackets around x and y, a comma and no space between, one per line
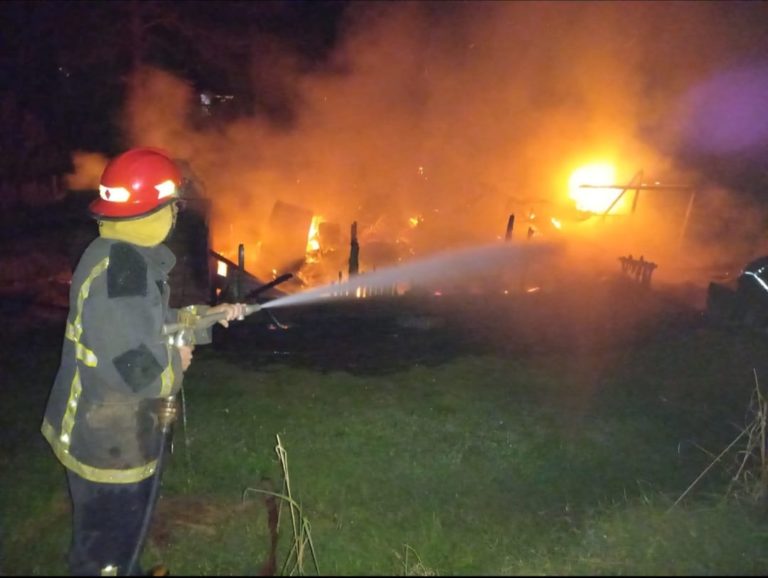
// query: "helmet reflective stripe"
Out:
[166,189]
[114,194]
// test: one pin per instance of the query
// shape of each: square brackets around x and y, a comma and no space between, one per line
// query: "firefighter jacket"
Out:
[115,364]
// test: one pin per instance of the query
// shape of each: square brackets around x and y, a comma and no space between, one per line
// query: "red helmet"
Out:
[137,183]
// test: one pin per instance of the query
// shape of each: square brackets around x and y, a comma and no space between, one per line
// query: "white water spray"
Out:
[442,266]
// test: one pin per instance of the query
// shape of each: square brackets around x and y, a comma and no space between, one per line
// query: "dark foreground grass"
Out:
[479,464]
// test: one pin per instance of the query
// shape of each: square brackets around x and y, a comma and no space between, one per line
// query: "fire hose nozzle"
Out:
[193,324]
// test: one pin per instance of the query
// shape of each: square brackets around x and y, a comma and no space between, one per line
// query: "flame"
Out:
[313,238]
[593,200]
[556,223]
[414,222]
[221,269]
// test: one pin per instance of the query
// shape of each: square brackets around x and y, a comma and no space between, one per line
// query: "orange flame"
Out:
[313,238]
[593,200]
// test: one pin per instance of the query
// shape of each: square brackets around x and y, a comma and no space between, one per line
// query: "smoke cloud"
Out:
[87,171]
[458,114]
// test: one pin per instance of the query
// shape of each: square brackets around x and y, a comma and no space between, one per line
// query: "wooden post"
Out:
[354,251]
[240,273]
[510,226]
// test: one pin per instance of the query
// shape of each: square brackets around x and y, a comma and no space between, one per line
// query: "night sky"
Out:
[67,62]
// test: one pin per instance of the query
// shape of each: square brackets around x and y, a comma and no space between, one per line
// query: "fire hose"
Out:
[154,489]
[191,328]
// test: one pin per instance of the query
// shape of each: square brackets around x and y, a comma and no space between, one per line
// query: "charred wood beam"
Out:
[231,264]
[354,251]
[240,273]
[256,292]
[510,226]
[640,187]
[222,258]
[635,181]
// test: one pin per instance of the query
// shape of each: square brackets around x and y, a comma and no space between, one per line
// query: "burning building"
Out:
[428,125]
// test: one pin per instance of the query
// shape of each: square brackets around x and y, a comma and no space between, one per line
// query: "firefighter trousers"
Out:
[106,522]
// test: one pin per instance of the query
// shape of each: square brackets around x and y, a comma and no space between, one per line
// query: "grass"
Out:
[481,463]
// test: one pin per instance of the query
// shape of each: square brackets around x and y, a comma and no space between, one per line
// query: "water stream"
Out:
[443,266]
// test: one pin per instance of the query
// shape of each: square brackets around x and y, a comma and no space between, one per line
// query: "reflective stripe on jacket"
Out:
[115,365]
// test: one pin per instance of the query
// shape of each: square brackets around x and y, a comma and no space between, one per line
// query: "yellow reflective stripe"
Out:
[101,475]
[82,353]
[85,355]
[82,295]
[74,331]
[85,288]
[166,378]
[68,421]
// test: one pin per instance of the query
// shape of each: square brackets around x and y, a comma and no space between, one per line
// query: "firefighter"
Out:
[105,411]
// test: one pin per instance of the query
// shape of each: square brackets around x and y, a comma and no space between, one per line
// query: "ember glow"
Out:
[593,200]
[313,239]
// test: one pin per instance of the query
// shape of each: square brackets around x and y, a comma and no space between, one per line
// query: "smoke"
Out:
[462,113]
[87,171]
[728,114]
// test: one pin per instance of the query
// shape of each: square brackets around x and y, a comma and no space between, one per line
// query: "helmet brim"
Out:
[102,210]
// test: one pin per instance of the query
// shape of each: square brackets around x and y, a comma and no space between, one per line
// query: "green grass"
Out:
[482,464]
